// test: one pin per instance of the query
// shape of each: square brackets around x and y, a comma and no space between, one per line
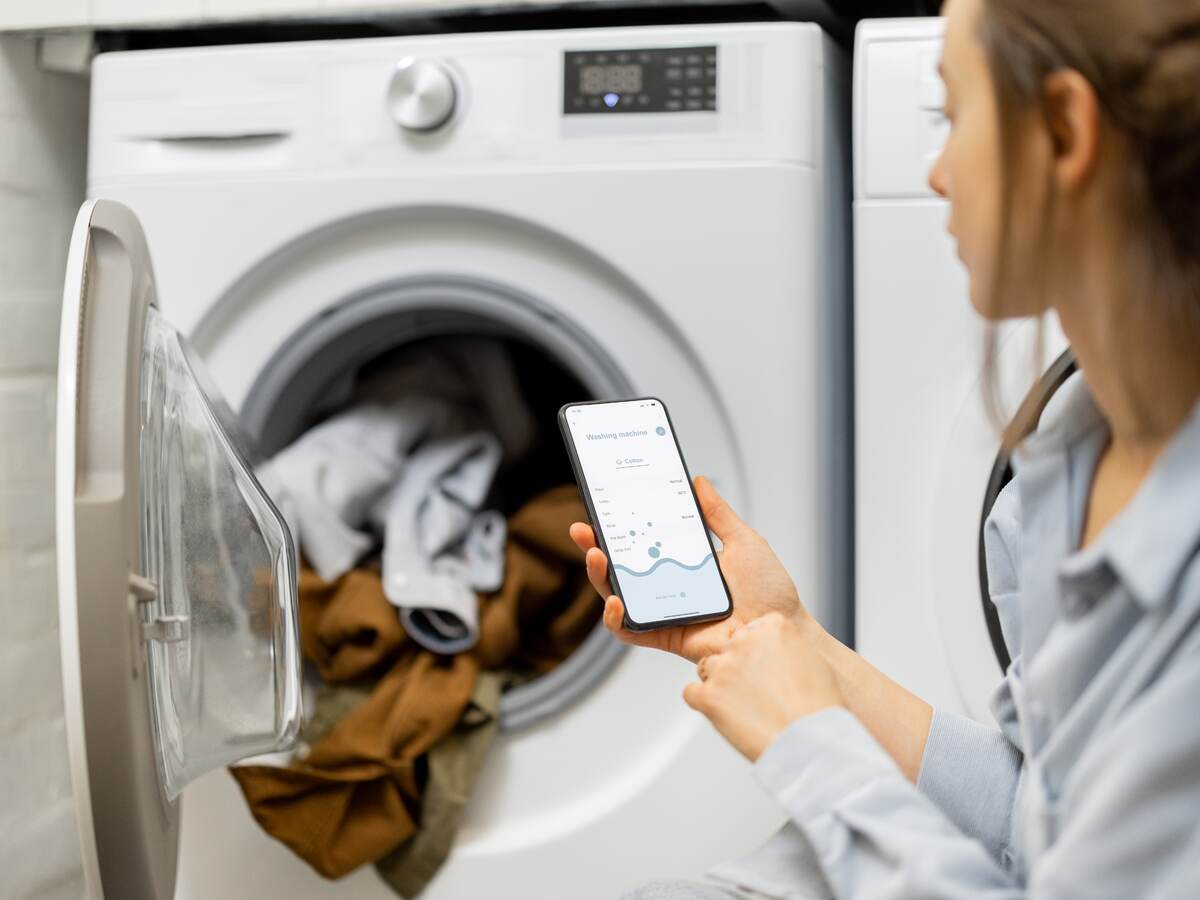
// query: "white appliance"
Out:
[927,462]
[652,210]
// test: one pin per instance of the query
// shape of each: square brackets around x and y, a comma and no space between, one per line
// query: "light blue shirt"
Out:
[1090,785]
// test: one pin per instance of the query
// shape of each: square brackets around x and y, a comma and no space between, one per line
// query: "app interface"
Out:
[644,505]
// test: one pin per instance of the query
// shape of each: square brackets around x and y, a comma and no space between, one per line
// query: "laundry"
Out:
[347,628]
[437,550]
[453,764]
[546,606]
[354,797]
[399,734]
[410,461]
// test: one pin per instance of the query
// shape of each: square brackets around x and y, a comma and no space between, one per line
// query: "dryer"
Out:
[928,463]
[646,210]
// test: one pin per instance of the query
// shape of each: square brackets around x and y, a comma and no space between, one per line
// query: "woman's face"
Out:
[968,173]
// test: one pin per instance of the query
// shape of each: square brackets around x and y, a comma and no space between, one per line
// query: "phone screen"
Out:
[641,498]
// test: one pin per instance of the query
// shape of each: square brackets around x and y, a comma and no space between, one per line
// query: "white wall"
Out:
[22,14]
[43,124]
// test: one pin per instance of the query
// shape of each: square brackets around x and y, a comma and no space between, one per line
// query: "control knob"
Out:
[421,96]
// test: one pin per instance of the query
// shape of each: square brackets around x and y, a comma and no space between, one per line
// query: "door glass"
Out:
[222,639]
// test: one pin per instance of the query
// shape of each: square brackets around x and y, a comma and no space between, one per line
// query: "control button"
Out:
[594,102]
[691,73]
[674,74]
[695,91]
[711,90]
[421,95]
[710,104]
[694,104]
[622,57]
[643,100]
[577,102]
[675,91]
[673,105]
[711,72]
[601,58]
[710,58]
[644,58]
[693,59]
[674,60]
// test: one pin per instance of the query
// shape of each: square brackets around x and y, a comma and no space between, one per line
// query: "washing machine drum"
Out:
[552,362]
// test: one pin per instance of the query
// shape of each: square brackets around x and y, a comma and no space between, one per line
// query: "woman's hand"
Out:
[756,578]
[769,674]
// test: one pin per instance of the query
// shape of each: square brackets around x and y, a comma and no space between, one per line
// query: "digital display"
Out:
[645,510]
[648,80]
[602,79]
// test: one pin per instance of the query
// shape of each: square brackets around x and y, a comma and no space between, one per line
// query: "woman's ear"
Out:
[1073,120]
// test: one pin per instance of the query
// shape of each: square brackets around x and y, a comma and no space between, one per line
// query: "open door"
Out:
[176,574]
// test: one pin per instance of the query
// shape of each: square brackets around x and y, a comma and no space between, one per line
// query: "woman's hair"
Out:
[1142,59]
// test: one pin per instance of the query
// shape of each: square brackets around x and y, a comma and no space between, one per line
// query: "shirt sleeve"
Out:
[1125,822]
[874,834]
[971,773]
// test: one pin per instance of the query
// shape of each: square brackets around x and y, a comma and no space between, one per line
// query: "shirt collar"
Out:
[1149,543]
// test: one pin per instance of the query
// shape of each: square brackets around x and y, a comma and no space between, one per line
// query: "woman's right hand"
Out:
[757,581]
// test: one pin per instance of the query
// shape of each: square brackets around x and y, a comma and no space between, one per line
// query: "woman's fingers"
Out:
[614,621]
[583,536]
[718,515]
[695,696]
[597,571]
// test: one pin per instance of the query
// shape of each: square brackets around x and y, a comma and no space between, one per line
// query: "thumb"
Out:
[718,515]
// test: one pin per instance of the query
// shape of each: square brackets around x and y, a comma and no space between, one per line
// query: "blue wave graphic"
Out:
[665,559]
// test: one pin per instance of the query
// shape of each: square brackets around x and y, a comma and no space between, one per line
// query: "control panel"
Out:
[607,82]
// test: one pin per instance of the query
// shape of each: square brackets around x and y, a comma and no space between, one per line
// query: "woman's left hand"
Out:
[769,674]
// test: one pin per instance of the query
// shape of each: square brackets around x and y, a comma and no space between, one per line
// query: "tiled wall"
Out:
[43,124]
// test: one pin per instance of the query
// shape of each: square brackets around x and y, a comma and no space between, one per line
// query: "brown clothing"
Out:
[357,795]
[347,627]
[454,764]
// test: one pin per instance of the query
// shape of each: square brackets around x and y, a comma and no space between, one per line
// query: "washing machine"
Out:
[928,462]
[645,210]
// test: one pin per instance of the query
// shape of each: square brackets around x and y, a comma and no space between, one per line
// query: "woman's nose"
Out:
[937,177]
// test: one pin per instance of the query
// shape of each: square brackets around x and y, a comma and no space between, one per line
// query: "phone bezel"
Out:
[581,480]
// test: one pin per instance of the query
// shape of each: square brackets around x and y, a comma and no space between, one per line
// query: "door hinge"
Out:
[167,629]
[164,629]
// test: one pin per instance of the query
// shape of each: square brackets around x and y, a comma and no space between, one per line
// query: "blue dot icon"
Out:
[660,431]
[611,100]
[654,552]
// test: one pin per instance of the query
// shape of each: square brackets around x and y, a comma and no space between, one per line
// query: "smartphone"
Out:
[639,495]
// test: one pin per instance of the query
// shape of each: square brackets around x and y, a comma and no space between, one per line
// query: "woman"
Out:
[1073,174]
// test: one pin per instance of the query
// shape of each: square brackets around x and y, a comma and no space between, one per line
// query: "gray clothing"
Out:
[1091,785]
[438,548]
[411,458]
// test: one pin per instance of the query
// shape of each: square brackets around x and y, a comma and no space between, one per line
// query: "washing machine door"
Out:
[176,575]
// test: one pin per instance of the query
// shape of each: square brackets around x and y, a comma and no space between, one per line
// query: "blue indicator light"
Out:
[611,100]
